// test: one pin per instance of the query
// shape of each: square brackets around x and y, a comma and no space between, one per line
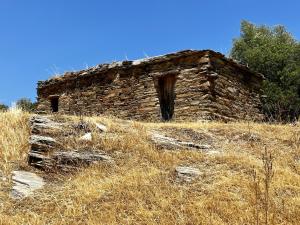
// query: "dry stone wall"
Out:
[236,92]
[190,85]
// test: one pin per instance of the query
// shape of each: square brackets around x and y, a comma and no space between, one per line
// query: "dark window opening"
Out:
[54,104]
[165,88]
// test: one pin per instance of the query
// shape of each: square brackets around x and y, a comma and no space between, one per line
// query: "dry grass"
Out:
[141,187]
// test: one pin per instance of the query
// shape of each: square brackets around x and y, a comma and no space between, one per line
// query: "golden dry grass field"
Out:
[236,185]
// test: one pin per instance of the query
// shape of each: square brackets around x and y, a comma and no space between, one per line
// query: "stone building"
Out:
[187,85]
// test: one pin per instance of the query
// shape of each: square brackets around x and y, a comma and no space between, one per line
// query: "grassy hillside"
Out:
[142,188]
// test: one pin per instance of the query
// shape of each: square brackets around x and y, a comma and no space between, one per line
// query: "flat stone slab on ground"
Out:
[187,173]
[163,140]
[86,137]
[42,140]
[25,183]
[75,157]
[68,161]
[101,127]
[42,123]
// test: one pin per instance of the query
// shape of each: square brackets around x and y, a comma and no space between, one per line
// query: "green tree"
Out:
[275,53]
[3,107]
[26,104]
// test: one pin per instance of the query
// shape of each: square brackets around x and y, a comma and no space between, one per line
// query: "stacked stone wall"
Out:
[207,87]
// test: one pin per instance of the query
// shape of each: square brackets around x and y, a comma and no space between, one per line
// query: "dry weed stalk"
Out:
[262,197]
[257,195]
[295,139]
[268,170]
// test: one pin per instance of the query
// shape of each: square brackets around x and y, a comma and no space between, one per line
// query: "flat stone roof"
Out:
[120,65]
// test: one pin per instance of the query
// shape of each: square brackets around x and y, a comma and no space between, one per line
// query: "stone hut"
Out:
[186,85]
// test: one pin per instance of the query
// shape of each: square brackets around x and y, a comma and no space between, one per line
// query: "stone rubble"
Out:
[48,154]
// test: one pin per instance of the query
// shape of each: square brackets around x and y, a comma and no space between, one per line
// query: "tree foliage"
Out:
[275,53]
[26,104]
[3,107]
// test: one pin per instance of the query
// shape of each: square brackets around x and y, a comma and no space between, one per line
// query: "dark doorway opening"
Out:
[166,95]
[54,103]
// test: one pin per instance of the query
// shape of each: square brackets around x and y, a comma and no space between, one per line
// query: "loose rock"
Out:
[25,183]
[87,137]
[42,124]
[76,157]
[50,155]
[69,161]
[42,140]
[173,143]
[186,173]
[101,127]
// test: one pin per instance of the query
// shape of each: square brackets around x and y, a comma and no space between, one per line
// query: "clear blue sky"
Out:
[41,37]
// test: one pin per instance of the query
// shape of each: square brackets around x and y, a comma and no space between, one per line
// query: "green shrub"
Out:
[3,107]
[26,104]
[275,53]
